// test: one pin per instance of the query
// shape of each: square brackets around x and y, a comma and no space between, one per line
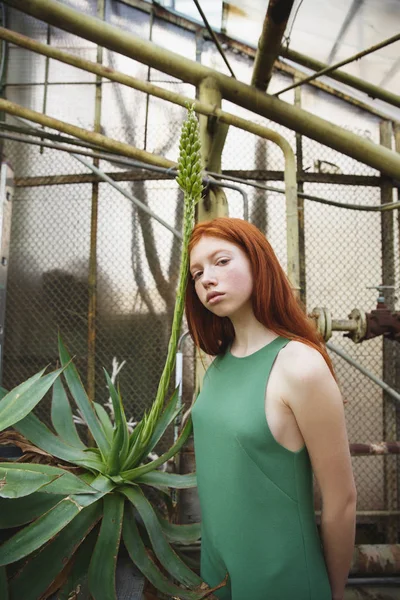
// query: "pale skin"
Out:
[303,404]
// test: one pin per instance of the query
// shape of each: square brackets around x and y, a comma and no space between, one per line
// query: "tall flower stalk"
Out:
[189,180]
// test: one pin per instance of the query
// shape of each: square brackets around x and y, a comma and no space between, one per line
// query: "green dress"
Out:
[256,496]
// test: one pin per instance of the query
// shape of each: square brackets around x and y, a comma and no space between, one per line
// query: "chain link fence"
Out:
[138,258]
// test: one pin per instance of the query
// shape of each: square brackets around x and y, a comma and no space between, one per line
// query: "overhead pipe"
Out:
[169,15]
[235,91]
[293,259]
[167,95]
[376,559]
[269,44]
[351,80]
[329,69]
[337,325]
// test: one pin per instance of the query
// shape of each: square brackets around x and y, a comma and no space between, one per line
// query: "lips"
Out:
[212,295]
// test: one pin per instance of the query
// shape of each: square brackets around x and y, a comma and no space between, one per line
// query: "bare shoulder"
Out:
[301,363]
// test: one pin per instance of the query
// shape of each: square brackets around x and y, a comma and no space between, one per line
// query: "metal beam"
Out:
[269,44]
[235,91]
[187,24]
[355,82]
[353,10]
[346,61]
[120,147]
[214,37]
[53,52]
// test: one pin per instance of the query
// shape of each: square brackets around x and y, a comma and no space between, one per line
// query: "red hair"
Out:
[274,303]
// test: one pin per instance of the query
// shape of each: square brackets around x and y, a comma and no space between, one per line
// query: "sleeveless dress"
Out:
[256,496]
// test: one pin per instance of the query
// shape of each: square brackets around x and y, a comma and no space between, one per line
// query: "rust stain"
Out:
[380,448]
[234,10]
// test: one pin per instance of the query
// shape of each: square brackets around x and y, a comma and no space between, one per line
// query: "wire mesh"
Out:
[138,259]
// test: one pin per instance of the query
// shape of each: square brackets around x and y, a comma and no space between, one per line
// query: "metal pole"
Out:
[212,138]
[355,82]
[376,449]
[389,367]
[46,78]
[113,145]
[300,188]
[88,136]
[390,391]
[92,276]
[214,37]
[189,71]
[114,159]
[351,59]
[269,44]
[397,358]
[118,159]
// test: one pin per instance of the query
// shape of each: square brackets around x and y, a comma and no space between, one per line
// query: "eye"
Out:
[194,278]
[223,260]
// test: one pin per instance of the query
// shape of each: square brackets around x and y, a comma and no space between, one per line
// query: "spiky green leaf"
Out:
[82,401]
[77,578]
[183,534]
[120,442]
[40,570]
[135,447]
[165,554]
[172,480]
[138,471]
[20,511]
[21,400]
[103,564]
[150,570]
[104,420]
[40,435]
[168,416]
[39,532]
[120,419]
[61,417]
[60,481]
[16,484]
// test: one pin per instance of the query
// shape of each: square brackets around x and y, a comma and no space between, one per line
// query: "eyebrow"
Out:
[209,256]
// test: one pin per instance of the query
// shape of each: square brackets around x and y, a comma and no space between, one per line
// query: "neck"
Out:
[250,334]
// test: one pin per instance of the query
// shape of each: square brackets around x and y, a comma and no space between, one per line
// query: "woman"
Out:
[269,414]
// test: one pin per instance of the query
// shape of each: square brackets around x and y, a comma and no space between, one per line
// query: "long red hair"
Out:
[274,303]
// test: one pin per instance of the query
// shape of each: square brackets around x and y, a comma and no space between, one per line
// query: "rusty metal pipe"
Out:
[379,559]
[189,71]
[377,449]
[269,44]
[344,325]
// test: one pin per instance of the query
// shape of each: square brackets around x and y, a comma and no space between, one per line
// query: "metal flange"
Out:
[360,318]
[323,321]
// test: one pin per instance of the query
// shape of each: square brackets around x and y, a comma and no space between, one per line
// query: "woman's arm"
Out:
[314,397]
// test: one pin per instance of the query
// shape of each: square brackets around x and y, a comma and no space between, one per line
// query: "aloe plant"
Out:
[60,512]
[15,405]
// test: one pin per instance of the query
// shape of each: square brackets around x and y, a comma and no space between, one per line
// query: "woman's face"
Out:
[217,265]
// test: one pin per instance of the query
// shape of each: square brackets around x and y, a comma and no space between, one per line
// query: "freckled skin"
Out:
[228,272]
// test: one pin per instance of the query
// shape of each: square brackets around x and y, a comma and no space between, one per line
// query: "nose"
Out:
[208,277]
